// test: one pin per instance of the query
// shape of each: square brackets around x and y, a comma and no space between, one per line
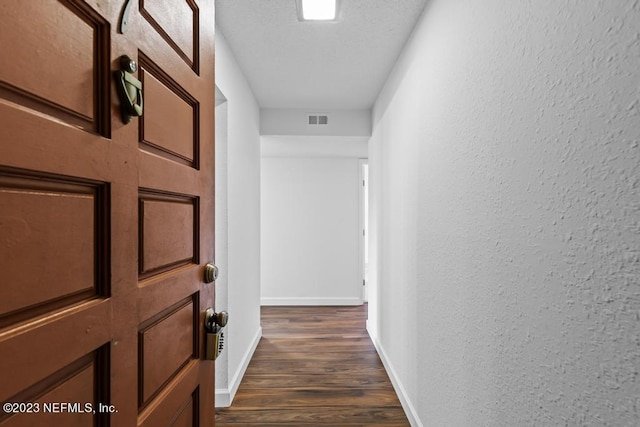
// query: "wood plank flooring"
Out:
[314,366]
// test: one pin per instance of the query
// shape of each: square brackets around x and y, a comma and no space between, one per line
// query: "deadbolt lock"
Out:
[211,272]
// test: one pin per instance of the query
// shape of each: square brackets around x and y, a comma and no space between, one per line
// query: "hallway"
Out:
[314,366]
[503,150]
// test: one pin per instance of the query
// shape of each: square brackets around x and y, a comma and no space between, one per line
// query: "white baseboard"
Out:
[311,301]
[224,396]
[408,407]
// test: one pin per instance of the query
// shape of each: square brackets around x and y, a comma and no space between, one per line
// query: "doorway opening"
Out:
[364,226]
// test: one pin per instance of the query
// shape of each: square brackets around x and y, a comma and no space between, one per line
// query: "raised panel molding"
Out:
[81,383]
[70,83]
[185,41]
[188,413]
[162,127]
[67,221]
[158,250]
[167,342]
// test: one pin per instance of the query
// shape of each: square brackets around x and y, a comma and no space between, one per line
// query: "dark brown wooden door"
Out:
[105,228]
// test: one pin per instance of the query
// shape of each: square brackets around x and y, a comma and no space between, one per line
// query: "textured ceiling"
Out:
[319,65]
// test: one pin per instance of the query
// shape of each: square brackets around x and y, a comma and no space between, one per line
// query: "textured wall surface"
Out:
[241,175]
[222,231]
[507,189]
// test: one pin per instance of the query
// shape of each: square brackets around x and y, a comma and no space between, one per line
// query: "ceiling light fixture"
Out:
[317,10]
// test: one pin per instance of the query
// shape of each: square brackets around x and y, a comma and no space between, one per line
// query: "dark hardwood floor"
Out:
[314,366]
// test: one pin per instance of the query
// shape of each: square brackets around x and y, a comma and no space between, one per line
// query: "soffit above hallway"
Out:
[319,65]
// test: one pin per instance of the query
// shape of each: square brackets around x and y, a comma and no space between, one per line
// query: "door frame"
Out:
[362,211]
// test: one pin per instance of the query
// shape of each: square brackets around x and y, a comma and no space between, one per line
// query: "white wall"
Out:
[237,222]
[275,121]
[314,146]
[310,230]
[505,162]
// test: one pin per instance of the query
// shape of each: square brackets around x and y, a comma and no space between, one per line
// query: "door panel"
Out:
[75,77]
[105,227]
[59,226]
[26,366]
[72,73]
[62,393]
[179,323]
[161,251]
[168,123]
[178,24]
[174,402]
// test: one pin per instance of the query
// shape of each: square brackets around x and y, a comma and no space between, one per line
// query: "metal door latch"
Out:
[129,89]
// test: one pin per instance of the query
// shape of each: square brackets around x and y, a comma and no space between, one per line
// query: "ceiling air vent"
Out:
[317,119]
